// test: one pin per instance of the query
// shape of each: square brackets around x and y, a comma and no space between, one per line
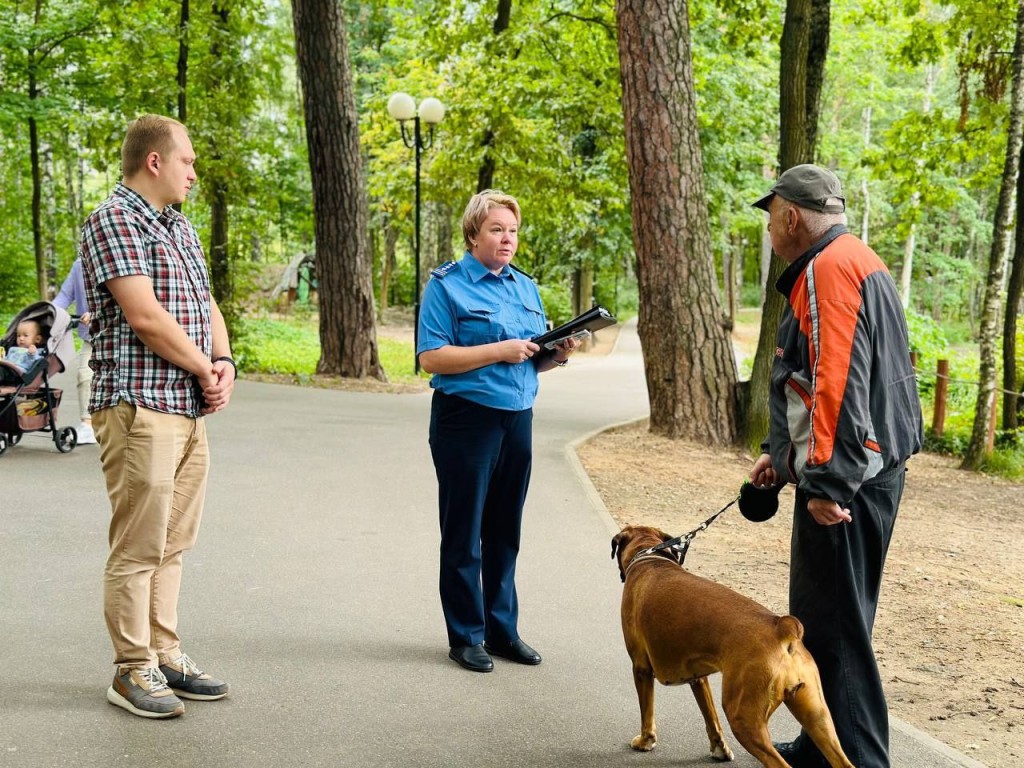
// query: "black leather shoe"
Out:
[516,651]
[787,750]
[472,657]
[794,754]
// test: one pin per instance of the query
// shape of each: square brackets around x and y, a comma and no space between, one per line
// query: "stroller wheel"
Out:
[14,439]
[66,440]
[3,443]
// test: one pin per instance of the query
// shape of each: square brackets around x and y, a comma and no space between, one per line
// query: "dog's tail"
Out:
[789,629]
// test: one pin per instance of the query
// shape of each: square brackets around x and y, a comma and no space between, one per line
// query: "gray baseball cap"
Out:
[809,186]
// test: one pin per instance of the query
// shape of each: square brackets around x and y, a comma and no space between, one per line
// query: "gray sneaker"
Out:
[190,682]
[144,692]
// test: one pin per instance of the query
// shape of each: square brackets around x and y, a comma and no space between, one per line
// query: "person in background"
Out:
[72,292]
[162,360]
[844,418]
[477,318]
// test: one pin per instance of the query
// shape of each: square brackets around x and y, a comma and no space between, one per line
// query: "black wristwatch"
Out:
[226,359]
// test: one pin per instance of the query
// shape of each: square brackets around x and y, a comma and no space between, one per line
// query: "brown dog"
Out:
[680,628]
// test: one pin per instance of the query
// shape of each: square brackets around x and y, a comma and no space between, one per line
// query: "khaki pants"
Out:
[156,465]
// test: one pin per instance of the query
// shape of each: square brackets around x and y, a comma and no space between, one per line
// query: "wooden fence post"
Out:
[941,389]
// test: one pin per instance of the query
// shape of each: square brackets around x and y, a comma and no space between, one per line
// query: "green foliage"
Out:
[291,346]
[750,295]
[557,303]
[276,346]
[927,340]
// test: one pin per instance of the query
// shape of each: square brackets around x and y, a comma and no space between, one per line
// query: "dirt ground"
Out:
[949,634]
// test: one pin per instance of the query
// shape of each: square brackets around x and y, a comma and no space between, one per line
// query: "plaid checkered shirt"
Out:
[127,236]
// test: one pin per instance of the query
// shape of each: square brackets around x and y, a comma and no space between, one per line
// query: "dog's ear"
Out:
[618,542]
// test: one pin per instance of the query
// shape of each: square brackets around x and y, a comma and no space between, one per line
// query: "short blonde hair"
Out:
[481,204]
[148,133]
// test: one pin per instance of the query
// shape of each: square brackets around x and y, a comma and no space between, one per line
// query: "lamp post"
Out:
[402,107]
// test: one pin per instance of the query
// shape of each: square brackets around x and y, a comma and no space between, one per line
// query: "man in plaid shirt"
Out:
[162,360]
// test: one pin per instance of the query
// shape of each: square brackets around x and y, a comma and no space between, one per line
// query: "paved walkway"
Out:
[314,592]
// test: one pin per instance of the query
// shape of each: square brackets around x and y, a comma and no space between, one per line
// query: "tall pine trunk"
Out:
[688,358]
[803,49]
[348,334]
[978,447]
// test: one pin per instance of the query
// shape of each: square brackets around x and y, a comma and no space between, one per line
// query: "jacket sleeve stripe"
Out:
[834,298]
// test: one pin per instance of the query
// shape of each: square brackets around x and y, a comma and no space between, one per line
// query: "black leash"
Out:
[680,545]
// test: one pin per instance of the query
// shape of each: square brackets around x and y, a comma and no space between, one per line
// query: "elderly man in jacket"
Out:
[844,418]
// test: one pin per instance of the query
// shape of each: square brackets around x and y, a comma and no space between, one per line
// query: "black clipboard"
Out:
[594,319]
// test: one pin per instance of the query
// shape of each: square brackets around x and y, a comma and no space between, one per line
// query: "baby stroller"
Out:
[27,401]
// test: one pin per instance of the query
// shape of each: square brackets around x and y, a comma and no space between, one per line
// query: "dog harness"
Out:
[677,547]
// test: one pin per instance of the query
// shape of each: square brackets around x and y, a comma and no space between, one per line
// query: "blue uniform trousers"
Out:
[482,457]
[835,577]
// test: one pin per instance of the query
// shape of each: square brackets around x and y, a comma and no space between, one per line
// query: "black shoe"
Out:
[472,657]
[798,756]
[787,750]
[515,650]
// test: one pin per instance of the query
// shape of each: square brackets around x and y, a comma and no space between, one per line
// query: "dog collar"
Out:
[650,554]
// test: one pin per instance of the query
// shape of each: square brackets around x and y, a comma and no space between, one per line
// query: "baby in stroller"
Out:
[30,340]
[37,345]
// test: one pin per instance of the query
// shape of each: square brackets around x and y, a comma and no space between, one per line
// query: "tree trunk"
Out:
[37,192]
[583,295]
[220,263]
[485,176]
[220,266]
[907,270]
[1013,405]
[387,266]
[803,50]
[909,246]
[817,53]
[348,334]
[443,214]
[688,359]
[978,448]
[865,190]
[183,62]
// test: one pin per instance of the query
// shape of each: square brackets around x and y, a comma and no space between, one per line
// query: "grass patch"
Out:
[290,346]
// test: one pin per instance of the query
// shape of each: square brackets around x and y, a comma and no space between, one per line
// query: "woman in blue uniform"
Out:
[476,321]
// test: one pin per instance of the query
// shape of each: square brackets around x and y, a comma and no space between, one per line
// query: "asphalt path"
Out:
[313,591]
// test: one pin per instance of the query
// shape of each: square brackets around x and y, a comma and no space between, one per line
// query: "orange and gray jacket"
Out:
[844,403]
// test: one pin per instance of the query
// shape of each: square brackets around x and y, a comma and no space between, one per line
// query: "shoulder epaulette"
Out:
[522,272]
[444,269]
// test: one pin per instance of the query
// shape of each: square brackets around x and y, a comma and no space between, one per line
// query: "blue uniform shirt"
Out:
[465,305]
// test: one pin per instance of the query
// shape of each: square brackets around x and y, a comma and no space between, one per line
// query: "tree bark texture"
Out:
[1015,288]
[688,357]
[348,334]
[803,51]
[817,53]
[978,447]
[220,262]
[220,268]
